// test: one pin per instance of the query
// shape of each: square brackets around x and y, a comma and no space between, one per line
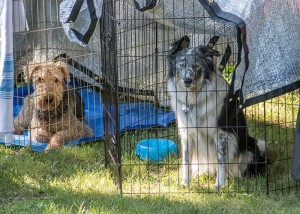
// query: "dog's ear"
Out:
[180,44]
[64,69]
[208,52]
[29,70]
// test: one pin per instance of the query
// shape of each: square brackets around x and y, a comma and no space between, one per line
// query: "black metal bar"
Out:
[93,75]
[110,92]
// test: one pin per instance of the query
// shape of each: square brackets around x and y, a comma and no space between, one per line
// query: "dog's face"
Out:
[48,81]
[190,66]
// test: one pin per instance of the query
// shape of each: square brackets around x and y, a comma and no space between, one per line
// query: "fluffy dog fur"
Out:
[53,112]
[213,132]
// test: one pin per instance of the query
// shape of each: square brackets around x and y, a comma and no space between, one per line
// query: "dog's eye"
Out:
[181,65]
[197,66]
[56,80]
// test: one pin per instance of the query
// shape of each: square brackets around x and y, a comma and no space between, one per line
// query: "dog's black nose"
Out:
[49,99]
[188,81]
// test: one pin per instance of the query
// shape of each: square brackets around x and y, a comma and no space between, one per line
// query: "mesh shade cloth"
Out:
[141,64]
[272,39]
[274,48]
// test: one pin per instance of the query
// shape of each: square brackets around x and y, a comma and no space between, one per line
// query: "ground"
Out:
[75,180]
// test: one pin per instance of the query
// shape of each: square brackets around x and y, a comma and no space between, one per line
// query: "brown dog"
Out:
[53,112]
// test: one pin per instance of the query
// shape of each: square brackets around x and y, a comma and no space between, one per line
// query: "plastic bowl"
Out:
[155,149]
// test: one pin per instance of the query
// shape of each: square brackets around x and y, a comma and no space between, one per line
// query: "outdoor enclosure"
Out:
[121,71]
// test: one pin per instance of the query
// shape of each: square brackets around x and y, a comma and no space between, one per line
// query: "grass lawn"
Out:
[75,180]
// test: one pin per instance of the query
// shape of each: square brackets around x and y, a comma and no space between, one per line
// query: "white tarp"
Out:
[6,72]
[8,24]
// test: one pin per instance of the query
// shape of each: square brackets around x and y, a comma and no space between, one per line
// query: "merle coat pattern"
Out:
[214,137]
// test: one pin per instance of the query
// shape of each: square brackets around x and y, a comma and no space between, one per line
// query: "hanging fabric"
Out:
[12,19]
[6,72]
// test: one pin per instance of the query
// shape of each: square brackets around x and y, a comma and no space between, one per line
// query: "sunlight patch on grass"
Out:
[75,180]
[280,111]
[273,121]
[86,182]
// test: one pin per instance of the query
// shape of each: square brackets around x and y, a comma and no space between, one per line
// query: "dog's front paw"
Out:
[41,138]
[18,130]
[219,183]
[50,147]
[185,182]
[196,174]
[56,142]
[53,146]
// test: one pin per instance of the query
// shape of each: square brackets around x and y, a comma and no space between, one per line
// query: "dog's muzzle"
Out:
[188,79]
[48,102]
[188,82]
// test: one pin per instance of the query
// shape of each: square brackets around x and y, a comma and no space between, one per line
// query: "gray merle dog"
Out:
[212,128]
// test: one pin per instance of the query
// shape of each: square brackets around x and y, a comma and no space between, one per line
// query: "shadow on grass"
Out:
[74,180]
[62,200]
[71,202]
[142,176]
[68,181]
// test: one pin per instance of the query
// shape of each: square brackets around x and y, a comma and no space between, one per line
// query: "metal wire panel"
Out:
[128,57]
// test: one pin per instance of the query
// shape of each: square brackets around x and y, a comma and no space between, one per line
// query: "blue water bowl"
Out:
[155,149]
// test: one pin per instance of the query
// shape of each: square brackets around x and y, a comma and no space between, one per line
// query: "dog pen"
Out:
[120,63]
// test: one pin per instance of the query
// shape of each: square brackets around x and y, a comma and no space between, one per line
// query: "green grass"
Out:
[75,180]
[273,121]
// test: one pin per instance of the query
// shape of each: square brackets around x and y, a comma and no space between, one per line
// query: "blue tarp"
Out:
[132,116]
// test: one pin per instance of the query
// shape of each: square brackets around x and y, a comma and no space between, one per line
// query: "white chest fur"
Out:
[197,114]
